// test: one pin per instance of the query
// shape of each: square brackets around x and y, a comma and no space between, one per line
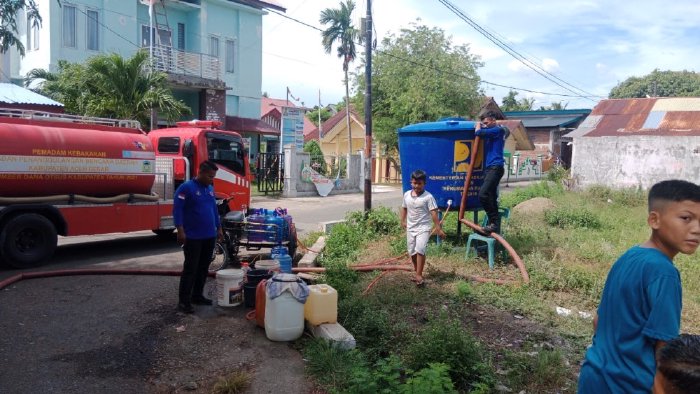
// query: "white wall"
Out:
[635,161]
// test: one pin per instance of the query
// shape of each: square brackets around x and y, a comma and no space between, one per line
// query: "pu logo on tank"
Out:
[140,145]
[147,167]
[462,156]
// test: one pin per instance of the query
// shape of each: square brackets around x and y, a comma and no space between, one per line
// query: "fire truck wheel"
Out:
[164,233]
[27,240]
[219,258]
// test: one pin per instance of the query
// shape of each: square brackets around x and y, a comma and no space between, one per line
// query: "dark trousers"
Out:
[198,254]
[488,194]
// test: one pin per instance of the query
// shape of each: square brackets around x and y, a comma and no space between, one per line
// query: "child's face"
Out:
[677,225]
[417,186]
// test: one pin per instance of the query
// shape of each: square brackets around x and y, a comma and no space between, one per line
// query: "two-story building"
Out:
[211,50]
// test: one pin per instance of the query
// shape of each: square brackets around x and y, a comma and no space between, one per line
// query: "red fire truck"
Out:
[70,175]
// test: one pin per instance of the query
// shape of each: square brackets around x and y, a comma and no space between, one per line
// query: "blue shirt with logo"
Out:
[195,209]
[494,143]
[641,304]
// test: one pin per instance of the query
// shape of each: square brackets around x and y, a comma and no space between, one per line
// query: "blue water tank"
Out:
[443,150]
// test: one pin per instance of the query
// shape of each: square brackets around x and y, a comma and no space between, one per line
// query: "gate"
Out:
[270,172]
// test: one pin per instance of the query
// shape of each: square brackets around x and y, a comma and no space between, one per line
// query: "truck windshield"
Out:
[226,151]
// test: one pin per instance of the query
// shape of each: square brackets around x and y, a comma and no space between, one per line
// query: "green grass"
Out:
[401,329]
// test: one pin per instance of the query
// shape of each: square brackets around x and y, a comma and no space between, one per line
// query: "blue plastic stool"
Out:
[490,241]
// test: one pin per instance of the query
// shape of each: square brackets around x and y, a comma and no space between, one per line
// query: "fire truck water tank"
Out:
[49,158]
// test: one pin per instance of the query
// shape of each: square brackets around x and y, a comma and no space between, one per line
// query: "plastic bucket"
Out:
[229,287]
[269,265]
[253,277]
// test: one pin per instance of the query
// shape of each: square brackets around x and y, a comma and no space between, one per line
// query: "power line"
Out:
[437,69]
[531,65]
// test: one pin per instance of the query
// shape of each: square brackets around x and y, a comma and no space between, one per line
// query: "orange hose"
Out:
[463,205]
[373,282]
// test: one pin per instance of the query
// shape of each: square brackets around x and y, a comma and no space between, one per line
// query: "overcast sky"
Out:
[589,44]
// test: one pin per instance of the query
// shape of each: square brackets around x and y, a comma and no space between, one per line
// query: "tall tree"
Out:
[511,103]
[659,84]
[419,75]
[111,86]
[341,32]
[9,10]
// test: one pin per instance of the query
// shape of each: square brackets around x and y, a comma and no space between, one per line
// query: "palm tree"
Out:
[8,24]
[342,32]
[109,85]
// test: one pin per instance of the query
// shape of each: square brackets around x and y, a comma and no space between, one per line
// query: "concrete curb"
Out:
[309,258]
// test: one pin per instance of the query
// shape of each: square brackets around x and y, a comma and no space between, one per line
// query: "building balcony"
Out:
[188,64]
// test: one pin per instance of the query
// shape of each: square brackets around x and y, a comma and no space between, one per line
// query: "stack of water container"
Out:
[269,226]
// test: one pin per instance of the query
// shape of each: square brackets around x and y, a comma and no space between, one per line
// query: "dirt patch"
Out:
[533,207]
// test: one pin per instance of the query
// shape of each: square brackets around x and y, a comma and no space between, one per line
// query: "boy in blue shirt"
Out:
[494,142]
[640,309]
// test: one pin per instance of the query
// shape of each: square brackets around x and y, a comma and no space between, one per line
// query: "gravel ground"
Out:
[122,334]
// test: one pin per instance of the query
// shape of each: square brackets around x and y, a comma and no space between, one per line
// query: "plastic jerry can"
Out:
[322,305]
[284,316]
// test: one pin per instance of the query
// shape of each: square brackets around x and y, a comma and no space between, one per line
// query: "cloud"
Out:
[550,64]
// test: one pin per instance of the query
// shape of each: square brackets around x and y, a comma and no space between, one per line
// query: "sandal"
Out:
[421,283]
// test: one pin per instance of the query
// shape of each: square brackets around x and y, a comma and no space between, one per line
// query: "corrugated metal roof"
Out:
[674,116]
[549,121]
[677,104]
[13,94]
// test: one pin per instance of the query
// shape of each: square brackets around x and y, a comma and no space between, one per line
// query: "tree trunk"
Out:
[347,112]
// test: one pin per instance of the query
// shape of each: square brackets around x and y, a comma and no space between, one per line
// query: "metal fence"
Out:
[175,61]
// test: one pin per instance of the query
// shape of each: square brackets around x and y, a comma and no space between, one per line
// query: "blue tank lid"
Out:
[444,124]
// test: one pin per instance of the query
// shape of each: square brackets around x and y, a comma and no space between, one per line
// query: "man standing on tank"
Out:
[198,226]
[494,137]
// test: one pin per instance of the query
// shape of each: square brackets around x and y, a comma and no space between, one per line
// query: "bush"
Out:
[557,173]
[445,341]
[546,369]
[331,366]
[388,374]
[378,221]
[343,242]
[369,323]
[572,217]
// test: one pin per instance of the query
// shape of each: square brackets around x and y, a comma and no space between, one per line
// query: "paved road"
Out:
[308,212]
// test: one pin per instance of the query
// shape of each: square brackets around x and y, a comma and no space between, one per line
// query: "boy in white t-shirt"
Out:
[417,211]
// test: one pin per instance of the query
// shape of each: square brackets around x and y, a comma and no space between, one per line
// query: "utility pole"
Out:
[368,108]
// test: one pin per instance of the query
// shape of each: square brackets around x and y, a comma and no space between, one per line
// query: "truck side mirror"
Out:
[188,149]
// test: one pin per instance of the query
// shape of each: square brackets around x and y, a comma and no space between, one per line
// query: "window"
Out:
[32,36]
[230,56]
[214,46]
[163,37]
[227,151]
[181,36]
[169,145]
[93,37]
[69,22]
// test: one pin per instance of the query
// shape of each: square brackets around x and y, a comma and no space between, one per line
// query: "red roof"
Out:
[248,125]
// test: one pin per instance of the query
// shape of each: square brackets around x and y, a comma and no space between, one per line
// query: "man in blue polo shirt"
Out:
[197,220]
